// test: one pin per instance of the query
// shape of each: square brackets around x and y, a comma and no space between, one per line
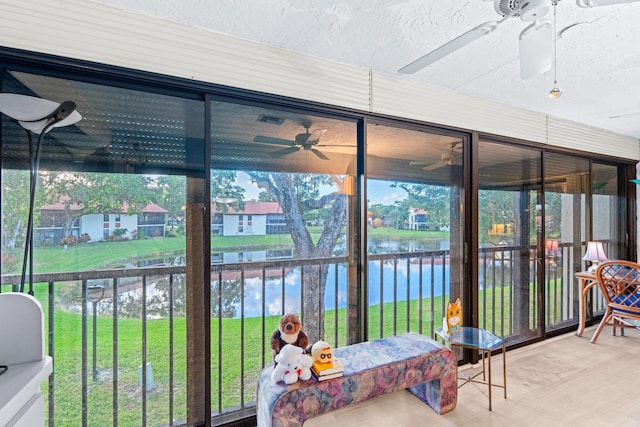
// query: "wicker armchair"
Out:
[619,282]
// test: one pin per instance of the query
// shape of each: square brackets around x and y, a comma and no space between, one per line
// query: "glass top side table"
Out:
[483,341]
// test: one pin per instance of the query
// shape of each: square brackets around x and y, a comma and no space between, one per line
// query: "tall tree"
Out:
[298,194]
[172,194]
[264,196]
[15,190]
[225,191]
[432,198]
[496,207]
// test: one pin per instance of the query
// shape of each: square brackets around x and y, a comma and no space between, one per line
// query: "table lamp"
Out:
[551,248]
[595,254]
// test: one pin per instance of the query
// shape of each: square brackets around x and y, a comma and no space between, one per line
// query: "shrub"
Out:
[8,260]
[69,240]
[119,233]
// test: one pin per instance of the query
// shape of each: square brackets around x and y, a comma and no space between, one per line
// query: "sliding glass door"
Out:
[608,210]
[282,227]
[415,228]
[566,219]
[609,207]
[509,232]
[536,212]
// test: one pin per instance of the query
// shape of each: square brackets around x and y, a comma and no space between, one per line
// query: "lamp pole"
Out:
[36,116]
[95,294]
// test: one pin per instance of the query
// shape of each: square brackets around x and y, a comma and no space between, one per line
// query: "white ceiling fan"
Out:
[536,40]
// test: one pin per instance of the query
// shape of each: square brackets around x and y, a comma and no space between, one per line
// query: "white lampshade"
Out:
[595,252]
[34,113]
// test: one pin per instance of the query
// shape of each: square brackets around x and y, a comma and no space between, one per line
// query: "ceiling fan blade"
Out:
[319,154]
[434,166]
[285,151]
[452,158]
[624,115]
[275,141]
[596,3]
[450,47]
[536,49]
[334,145]
[316,134]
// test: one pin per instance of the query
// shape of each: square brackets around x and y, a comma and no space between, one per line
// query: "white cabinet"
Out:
[22,349]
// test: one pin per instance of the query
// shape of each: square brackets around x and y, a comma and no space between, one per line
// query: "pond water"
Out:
[435,282]
[388,282]
[384,245]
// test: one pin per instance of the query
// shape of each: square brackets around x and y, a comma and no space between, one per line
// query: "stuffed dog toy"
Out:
[289,332]
[292,365]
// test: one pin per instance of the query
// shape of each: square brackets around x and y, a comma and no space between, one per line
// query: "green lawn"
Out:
[68,336]
[99,255]
[68,360]
[249,331]
[105,255]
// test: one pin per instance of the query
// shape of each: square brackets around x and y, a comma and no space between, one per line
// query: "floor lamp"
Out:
[36,116]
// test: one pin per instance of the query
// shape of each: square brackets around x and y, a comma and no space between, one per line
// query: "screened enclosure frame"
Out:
[197,169]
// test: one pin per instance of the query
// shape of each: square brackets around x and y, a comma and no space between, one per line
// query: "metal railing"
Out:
[418,285]
[139,322]
[66,298]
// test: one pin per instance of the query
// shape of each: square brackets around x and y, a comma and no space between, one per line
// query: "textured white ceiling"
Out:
[598,62]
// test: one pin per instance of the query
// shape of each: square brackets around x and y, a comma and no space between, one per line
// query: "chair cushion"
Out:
[632,300]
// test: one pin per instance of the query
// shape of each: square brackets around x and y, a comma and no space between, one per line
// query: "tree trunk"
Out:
[10,241]
[67,228]
[314,277]
[313,292]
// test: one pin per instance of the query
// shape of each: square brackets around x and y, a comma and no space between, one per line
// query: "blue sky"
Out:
[378,191]
[381,192]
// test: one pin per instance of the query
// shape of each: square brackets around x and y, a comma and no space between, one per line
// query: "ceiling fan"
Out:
[447,158]
[303,141]
[536,40]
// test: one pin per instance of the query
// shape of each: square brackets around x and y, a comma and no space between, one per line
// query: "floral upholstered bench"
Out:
[409,361]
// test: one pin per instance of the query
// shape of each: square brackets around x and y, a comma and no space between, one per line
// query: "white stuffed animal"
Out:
[292,365]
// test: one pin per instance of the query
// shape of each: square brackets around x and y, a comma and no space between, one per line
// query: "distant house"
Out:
[99,226]
[418,219]
[256,218]
[151,222]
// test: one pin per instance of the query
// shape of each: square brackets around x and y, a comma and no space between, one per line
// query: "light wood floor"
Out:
[565,381]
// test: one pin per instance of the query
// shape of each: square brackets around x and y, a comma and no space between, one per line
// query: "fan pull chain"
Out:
[556,92]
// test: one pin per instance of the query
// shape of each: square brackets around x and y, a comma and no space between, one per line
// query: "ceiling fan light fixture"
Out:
[555,93]
[536,49]
[533,10]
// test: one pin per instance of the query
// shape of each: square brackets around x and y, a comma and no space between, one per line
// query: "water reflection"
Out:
[394,282]
[276,290]
[389,244]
